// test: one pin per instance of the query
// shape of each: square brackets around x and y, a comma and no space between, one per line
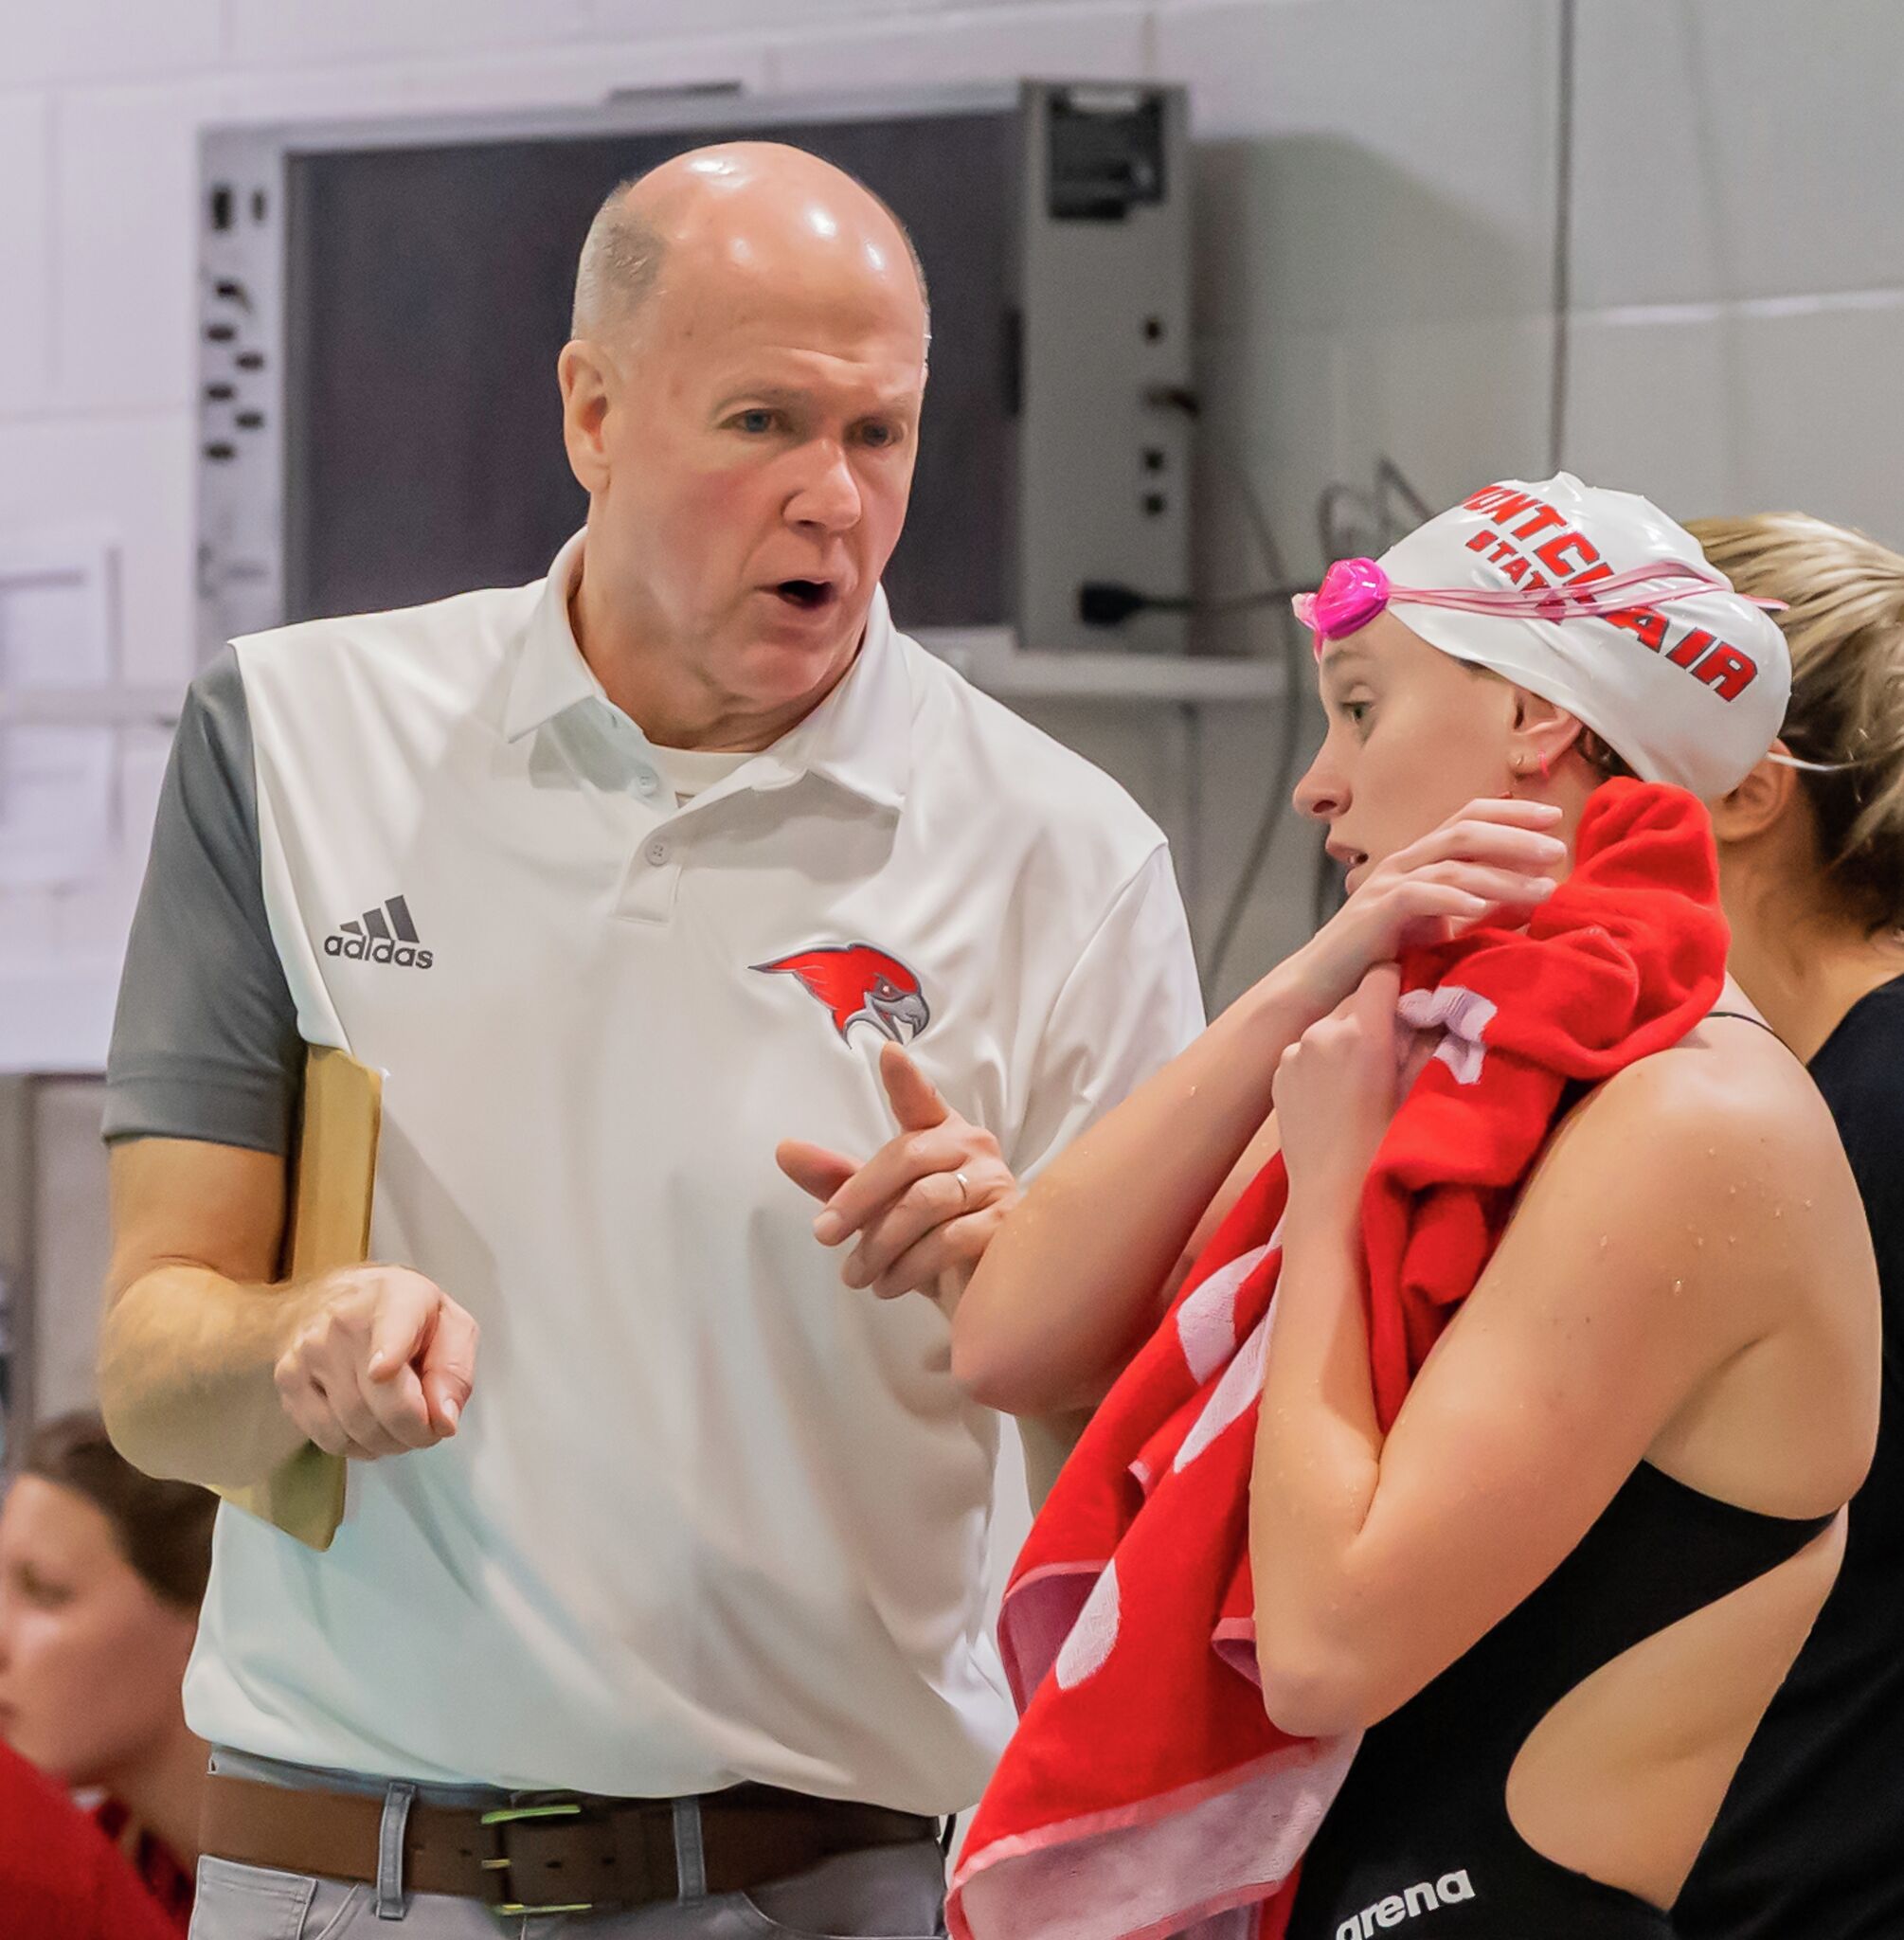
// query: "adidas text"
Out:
[382,935]
[1410,1905]
[382,950]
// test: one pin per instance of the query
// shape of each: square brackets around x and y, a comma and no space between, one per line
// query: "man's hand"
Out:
[926,1205]
[380,1361]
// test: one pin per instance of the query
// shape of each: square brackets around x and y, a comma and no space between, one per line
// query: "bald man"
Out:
[730,964]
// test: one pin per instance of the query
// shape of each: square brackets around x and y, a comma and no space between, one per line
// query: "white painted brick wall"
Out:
[25,251]
[1373,227]
[268,33]
[917,49]
[75,42]
[131,473]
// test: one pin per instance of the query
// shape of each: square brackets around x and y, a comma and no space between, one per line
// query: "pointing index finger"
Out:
[915,1099]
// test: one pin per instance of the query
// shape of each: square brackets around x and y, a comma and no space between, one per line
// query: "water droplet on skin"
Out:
[1731,1191]
[1678,1286]
[1603,1242]
[1778,1211]
[1698,1239]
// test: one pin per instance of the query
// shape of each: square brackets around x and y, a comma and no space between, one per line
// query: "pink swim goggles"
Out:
[1355,590]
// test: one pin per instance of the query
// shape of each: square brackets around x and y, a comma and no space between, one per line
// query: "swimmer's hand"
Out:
[1336,1091]
[923,1228]
[378,1360]
[1495,858]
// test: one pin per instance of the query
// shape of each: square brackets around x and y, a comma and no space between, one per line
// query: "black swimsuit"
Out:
[1419,1839]
[1420,1832]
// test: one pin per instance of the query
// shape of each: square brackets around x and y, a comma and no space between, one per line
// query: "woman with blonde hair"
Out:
[1811,873]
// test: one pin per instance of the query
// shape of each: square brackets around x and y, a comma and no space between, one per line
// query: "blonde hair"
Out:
[1845,623]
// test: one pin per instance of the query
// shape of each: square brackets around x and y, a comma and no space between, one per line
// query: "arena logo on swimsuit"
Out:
[1407,1904]
[1571,559]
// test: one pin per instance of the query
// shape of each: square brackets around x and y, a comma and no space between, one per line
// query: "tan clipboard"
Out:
[333,1176]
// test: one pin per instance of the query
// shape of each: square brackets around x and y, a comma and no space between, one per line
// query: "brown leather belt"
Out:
[561,1852]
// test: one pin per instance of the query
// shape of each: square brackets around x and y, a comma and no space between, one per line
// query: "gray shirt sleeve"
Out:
[204,1043]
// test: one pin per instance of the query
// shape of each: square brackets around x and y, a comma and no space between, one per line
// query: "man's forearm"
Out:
[186,1376]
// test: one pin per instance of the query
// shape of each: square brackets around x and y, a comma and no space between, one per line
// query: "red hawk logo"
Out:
[858,985]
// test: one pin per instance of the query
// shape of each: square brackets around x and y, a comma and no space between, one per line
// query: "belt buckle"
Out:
[508,1815]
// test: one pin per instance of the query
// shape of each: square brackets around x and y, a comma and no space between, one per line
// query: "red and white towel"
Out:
[1146,1793]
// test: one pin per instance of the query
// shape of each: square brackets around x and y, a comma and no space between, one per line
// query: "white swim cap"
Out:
[1689,686]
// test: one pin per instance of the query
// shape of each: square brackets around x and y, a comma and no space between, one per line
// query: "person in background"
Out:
[59,1877]
[102,1572]
[1811,872]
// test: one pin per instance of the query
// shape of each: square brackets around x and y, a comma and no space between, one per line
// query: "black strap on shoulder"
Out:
[1745,1017]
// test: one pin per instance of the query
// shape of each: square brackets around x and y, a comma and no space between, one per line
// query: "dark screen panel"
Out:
[428,295]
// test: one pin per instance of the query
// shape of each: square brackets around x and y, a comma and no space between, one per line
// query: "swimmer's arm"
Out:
[1079,1274]
[1049,1439]
[1377,1563]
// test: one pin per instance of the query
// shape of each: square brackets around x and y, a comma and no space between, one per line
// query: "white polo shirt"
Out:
[711,1516]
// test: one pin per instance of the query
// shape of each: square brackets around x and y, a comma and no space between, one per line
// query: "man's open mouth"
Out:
[808,595]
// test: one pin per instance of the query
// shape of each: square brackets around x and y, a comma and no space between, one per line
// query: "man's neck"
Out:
[675,706]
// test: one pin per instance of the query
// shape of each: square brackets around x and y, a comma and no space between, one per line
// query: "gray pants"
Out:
[891,1893]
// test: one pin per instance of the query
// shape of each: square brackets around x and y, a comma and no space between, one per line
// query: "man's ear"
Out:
[590,382]
[1758,802]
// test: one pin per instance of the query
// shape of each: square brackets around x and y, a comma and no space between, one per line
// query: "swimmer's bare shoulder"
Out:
[1717,1163]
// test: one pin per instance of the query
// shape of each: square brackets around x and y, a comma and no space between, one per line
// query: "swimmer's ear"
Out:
[1543,731]
[1758,801]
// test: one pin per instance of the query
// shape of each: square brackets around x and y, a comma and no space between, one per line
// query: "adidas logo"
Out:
[1410,1905]
[370,938]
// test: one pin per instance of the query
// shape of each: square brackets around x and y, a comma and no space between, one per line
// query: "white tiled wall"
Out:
[922,47]
[1741,255]
[26,240]
[1750,148]
[1375,182]
[79,42]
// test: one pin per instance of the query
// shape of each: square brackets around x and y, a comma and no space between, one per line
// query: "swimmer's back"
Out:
[1706,1186]
[1766,1254]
